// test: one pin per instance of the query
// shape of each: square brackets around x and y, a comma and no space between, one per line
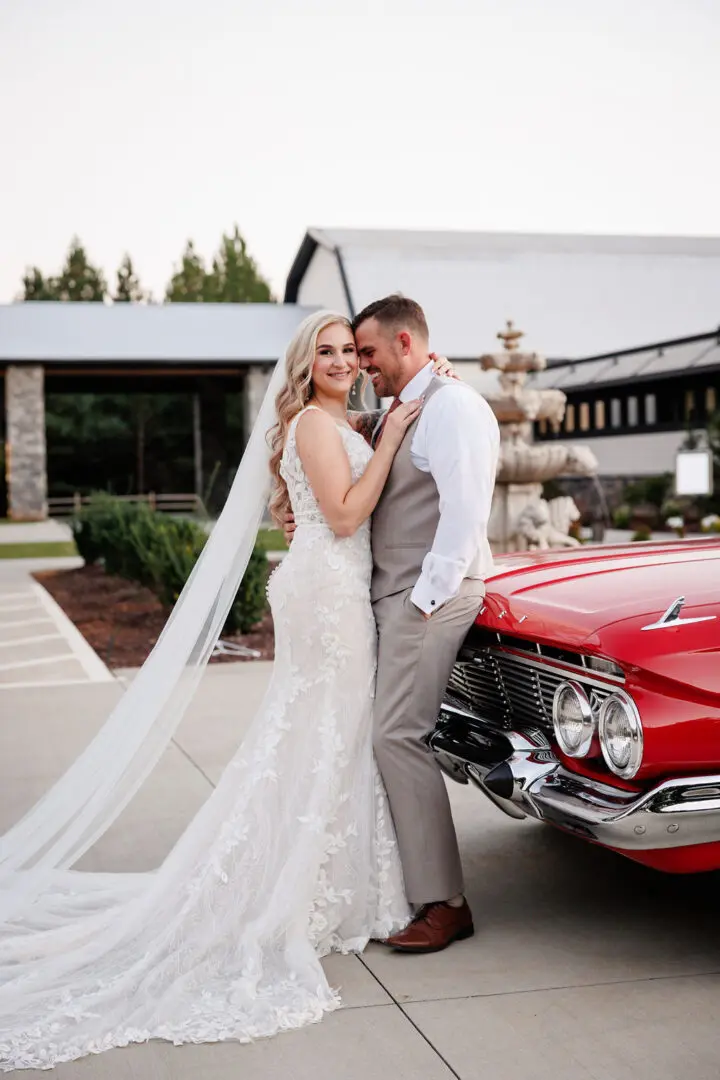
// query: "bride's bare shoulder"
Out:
[314,425]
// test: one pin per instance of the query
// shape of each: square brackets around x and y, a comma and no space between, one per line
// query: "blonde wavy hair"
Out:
[294,396]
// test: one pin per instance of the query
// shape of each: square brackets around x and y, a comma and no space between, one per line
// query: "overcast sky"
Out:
[140,124]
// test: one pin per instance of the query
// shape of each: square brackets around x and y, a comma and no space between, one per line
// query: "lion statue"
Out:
[542,524]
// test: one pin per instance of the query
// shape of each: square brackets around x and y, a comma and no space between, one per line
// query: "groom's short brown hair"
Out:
[395,312]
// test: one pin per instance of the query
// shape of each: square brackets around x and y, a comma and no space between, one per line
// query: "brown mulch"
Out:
[122,620]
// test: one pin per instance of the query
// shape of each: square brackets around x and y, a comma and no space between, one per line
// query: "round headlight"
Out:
[621,735]
[573,719]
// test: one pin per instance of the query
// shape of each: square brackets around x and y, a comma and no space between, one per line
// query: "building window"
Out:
[616,412]
[650,409]
[600,415]
[689,405]
[632,411]
[570,418]
[584,416]
[710,400]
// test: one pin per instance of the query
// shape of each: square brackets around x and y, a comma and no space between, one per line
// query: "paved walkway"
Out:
[35,532]
[39,645]
[584,966]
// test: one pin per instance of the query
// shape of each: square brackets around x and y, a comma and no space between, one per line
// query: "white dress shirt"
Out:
[457,440]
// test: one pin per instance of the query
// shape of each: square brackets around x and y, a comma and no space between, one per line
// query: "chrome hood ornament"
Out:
[672,617]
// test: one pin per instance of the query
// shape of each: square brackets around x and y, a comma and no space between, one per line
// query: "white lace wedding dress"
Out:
[292,856]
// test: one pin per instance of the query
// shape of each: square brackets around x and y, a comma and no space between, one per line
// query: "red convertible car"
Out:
[587,696]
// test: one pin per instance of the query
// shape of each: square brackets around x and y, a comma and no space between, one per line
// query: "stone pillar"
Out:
[25,449]
[256,383]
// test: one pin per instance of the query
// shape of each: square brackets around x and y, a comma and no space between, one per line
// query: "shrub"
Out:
[652,489]
[671,508]
[251,603]
[621,517]
[643,533]
[141,545]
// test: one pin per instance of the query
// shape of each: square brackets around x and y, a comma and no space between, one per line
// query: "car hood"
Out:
[599,598]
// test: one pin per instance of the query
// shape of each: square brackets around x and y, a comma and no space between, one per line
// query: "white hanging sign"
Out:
[694,472]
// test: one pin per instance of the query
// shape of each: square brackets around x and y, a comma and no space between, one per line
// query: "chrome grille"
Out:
[510,689]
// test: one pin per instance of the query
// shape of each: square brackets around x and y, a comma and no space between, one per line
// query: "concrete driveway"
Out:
[583,965]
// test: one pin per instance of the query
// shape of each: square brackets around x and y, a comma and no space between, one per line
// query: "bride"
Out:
[293,855]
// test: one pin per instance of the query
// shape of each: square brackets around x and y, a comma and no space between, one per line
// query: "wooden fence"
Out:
[64,505]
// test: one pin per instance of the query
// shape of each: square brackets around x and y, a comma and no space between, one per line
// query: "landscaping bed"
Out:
[121,620]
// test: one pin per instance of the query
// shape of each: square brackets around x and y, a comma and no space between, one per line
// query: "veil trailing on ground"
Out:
[83,804]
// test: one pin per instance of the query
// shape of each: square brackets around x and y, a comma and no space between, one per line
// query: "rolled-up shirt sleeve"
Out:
[459,446]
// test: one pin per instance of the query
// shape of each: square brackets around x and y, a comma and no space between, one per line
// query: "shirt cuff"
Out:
[426,596]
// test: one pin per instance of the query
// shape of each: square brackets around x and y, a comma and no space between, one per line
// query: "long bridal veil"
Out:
[83,804]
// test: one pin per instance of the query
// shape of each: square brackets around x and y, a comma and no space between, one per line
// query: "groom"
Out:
[430,558]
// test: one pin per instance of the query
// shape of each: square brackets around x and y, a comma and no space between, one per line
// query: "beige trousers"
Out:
[415,658]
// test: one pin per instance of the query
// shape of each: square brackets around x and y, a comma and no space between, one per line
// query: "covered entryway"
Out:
[132,398]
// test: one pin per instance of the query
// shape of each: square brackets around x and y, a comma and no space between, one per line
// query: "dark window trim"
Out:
[637,351]
[632,380]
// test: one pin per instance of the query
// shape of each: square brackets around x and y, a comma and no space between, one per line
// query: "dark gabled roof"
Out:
[299,267]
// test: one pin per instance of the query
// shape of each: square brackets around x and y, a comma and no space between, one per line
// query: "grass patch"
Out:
[271,540]
[268,540]
[50,550]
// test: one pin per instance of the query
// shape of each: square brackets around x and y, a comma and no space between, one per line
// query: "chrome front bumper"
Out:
[519,772]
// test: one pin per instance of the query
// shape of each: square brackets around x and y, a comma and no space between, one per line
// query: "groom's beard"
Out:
[381,385]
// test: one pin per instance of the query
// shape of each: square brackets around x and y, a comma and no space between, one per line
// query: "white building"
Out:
[620,299]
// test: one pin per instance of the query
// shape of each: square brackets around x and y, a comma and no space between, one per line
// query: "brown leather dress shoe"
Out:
[434,928]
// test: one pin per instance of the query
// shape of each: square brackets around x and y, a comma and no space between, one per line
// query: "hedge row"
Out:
[139,544]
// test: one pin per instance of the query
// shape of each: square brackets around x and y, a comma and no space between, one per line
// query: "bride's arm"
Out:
[346,505]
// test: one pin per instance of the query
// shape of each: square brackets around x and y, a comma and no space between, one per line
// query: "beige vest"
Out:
[405,520]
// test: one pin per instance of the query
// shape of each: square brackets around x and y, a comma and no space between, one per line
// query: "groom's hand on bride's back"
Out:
[289,527]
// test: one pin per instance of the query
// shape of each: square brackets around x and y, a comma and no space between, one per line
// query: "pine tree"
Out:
[128,289]
[188,284]
[235,278]
[79,279]
[36,287]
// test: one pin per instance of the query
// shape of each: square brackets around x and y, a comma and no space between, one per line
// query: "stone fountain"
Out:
[521,519]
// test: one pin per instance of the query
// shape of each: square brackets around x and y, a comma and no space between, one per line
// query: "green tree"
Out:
[127,288]
[235,278]
[79,279]
[36,286]
[188,284]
